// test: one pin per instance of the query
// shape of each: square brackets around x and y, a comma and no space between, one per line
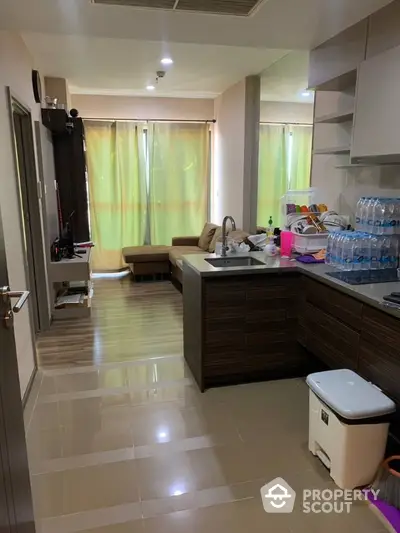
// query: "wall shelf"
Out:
[335,118]
[332,151]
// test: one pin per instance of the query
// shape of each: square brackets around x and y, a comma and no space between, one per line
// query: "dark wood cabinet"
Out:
[248,326]
[272,326]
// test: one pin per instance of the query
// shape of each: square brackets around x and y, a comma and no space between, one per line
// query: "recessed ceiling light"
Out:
[150,87]
[306,93]
[166,61]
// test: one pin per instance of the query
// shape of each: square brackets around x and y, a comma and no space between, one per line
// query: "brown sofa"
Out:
[162,260]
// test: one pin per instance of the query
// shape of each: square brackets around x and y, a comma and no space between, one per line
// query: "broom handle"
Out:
[386,463]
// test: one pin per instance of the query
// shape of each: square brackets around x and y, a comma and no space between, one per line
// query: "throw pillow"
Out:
[213,243]
[206,236]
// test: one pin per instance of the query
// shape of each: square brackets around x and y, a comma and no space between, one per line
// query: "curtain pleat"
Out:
[284,164]
[178,179]
[272,173]
[117,190]
[300,161]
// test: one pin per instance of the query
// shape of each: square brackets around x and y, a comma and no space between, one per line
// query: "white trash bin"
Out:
[349,424]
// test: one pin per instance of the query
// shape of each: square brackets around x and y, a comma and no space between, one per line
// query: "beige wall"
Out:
[15,71]
[58,88]
[286,112]
[228,159]
[129,107]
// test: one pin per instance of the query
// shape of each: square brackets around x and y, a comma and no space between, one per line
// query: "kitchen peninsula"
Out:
[281,319]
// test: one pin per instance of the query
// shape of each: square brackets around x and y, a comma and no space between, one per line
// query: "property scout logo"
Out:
[279,497]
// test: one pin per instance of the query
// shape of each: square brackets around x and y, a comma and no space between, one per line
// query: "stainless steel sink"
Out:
[228,262]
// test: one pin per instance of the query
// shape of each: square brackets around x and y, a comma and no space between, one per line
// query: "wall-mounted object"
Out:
[37,86]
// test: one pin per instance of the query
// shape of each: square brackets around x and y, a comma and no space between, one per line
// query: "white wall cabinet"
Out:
[376,132]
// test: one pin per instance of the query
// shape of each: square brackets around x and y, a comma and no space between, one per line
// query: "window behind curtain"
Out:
[284,164]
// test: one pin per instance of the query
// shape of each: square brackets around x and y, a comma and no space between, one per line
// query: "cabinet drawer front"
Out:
[381,328]
[225,298]
[380,367]
[344,308]
[328,338]
[332,357]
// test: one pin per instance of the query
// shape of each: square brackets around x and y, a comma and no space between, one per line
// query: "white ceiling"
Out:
[115,49]
[287,79]
[126,67]
[284,24]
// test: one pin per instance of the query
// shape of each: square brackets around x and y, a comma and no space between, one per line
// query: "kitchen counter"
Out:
[371,294]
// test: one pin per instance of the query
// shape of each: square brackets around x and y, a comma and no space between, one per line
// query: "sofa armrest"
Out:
[185,241]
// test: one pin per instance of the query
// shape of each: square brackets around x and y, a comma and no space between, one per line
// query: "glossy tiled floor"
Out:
[133,446]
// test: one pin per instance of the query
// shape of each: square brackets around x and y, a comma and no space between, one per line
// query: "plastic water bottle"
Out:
[347,252]
[375,252]
[375,220]
[364,214]
[328,257]
[358,251]
[390,222]
[370,215]
[366,252]
[359,213]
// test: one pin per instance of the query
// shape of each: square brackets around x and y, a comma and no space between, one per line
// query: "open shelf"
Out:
[335,118]
[333,151]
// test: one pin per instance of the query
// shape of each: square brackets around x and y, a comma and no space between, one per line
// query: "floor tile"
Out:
[82,489]
[130,445]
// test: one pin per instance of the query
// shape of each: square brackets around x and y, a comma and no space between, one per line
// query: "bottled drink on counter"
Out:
[359,213]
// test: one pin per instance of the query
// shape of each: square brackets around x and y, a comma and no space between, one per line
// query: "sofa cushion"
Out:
[217,235]
[177,252]
[206,236]
[146,254]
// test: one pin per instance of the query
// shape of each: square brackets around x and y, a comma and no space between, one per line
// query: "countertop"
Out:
[371,294]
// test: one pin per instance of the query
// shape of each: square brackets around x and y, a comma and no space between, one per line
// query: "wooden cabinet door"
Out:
[376,132]
[225,312]
[329,339]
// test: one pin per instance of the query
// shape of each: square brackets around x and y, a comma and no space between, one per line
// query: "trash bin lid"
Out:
[349,395]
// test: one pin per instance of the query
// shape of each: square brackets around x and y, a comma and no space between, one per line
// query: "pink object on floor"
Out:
[286,243]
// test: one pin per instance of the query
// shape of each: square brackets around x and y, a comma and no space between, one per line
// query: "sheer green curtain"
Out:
[284,163]
[300,156]
[178,179]
[272,173]
[117,190]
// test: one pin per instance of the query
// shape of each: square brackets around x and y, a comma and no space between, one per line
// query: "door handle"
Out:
[21,295]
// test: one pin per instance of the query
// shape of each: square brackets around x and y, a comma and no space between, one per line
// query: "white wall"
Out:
[129,107]
[228,157]
[286,112]
[15,71]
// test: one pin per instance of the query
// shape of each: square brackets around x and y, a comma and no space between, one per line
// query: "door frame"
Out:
[33,187]
[14,465]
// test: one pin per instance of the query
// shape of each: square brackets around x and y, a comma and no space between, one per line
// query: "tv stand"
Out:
[69,270]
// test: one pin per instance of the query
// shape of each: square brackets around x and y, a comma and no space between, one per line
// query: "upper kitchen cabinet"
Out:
[384,29]
[376,131]
[333,64]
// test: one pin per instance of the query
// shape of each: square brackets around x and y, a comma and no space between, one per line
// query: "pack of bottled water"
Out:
[360,251]
[378,216]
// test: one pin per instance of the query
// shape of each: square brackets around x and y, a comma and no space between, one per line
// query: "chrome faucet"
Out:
[224,234]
